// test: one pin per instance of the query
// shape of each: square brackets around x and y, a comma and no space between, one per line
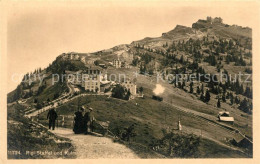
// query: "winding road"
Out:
[95,146]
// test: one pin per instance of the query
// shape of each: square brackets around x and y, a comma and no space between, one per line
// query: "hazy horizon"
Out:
[37,34]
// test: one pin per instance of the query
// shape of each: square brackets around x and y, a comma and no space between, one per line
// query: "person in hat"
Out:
[78,121]
[52,116]
[88,120]
[91,119]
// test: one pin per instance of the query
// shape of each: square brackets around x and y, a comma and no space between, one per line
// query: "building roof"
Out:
[237,137]
[80,71]
[226,119]
[93,67]
[105,82]
[69,72]
[117,60]
[223,113]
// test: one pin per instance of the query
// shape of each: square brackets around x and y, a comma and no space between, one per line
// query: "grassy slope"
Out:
[180,98]
[149,117]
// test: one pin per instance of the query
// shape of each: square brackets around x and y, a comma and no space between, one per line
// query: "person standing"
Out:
[52,116]
[86,120]
[91,119]
[78,121]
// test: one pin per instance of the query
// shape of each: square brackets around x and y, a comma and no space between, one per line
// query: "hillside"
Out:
[204,69]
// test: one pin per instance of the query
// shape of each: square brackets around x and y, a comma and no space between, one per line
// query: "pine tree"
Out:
[218,103]
[30,93]
[202,89]
[202,97]
[179,84]
[244,105]
[237,101]
[231,100]
[224,97]
[24,78]
[207,96]
[181,59]
[198,90]
[248,92]
[241,89]
[18,93]
[183,85]
[191,87]
[38,105]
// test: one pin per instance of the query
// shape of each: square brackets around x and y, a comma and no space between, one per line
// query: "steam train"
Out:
[158,98]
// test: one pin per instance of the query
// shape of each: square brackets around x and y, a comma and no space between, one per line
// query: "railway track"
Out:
[209,120]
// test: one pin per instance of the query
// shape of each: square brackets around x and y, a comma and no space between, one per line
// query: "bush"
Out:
[180,145]
[107,90]
[120,92]
[39,105]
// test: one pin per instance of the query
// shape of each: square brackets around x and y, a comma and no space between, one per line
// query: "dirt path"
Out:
[91,146]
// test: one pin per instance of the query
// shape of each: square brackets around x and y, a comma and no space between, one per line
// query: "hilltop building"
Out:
[209,19]
[91,61]
[215,20]
[83,59]
[126,65]
[102,65]
[70,56]
[117,63]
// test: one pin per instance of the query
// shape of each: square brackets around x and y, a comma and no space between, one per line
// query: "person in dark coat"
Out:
[86,120]
[78,122]
[52,116]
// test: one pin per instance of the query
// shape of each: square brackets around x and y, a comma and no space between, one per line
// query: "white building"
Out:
[70,56]
[225,117]
[91,79]
[91,83]
[83,59]
[91,61]
[117,63]
[76,57]
[130,86]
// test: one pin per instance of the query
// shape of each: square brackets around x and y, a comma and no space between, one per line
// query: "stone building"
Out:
[129,85]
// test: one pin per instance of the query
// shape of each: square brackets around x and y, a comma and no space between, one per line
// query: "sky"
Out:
[38,32]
